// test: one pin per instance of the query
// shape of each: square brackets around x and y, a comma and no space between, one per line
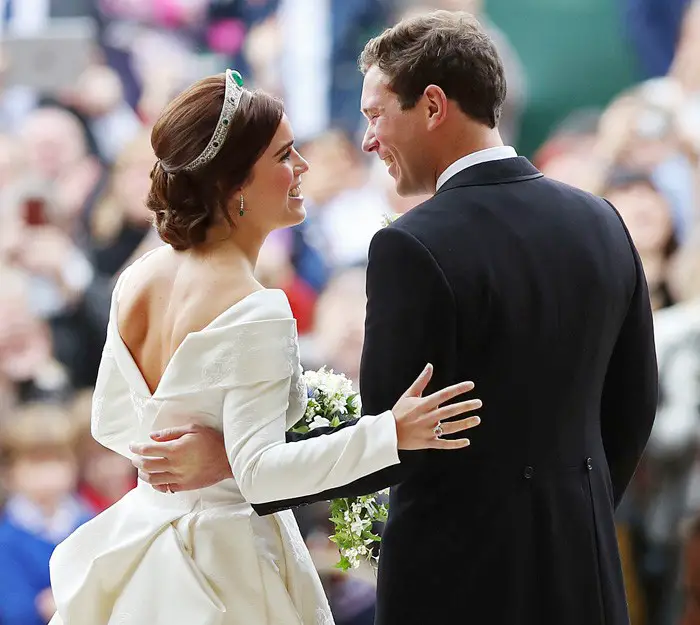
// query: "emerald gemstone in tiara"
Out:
[237,77]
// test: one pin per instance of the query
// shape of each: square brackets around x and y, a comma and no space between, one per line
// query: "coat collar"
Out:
[501,171]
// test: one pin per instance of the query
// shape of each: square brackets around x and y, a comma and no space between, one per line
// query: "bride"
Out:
[192,332]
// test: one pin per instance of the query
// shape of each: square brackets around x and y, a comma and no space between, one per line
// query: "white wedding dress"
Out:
[205,557]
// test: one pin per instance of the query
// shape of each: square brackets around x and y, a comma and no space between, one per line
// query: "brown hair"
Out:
[38,430]
[445,48]
[187,203]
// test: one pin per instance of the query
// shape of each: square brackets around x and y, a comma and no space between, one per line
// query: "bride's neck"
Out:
[236,248]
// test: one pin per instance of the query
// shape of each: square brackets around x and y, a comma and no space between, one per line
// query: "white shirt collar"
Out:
[482,156]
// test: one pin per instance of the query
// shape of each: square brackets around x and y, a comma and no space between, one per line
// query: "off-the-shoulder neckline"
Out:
[122,346]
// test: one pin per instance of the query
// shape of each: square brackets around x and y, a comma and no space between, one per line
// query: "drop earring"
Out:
[242,209]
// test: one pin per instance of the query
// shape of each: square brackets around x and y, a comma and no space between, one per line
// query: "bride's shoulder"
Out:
[136,274]
[259,307]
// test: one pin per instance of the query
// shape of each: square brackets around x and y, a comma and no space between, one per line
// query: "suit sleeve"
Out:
[630,393]
[410,321]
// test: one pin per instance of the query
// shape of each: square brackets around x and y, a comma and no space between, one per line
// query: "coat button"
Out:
[589,464]
[527,473]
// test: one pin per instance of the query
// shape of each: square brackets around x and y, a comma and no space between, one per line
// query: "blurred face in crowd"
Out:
[273,197]
[132,181]
[397,136]
[53,142]
[97,91]
[25,344]
[646,214]
[44,477]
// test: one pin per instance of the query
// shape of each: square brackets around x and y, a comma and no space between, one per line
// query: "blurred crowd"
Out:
[75,159]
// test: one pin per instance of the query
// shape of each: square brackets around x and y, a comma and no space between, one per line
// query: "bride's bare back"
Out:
[169,295]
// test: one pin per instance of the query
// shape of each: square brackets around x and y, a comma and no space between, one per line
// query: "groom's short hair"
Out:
[449,49]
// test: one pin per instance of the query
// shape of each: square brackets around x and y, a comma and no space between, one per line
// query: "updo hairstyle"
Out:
[187,203]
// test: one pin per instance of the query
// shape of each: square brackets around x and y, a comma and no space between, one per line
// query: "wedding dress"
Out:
[205,556]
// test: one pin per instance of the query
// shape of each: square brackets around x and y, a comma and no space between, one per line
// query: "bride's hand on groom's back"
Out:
[421,421]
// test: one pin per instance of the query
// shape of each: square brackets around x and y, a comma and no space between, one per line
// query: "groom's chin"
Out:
[405,190]
[402,189]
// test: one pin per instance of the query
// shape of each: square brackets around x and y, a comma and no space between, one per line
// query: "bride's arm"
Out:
[267,468]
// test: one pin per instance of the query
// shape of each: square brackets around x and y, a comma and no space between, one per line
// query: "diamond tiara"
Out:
[232,98]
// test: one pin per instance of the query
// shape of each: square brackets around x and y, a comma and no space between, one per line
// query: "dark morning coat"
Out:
[533,290]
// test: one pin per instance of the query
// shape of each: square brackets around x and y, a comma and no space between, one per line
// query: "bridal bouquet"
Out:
[332,401]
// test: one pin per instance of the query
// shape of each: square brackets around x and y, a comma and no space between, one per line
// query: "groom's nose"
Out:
[369,142]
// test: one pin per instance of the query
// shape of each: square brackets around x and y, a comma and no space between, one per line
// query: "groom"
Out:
[532,289]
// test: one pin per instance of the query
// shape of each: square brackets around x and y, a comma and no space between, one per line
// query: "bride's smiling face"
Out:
[273,198]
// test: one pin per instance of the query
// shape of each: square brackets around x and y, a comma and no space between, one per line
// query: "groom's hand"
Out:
[183,458]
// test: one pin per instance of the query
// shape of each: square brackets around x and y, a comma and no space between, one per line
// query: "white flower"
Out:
[352,556]
[319,422]
[339,404]
[357,526]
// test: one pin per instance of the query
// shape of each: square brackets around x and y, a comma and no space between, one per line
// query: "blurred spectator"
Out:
[648,218]
[56,148]
[28,368]
[654,28]
[63,286]
[98,96]
[42,509]
[672,467]
[566,154]
[120,220]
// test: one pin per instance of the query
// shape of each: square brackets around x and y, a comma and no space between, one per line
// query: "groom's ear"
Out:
[436,106]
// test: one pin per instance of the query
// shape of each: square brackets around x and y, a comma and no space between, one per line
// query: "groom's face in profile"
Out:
[394,134]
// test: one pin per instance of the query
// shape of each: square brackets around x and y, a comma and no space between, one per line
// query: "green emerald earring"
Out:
[240,212]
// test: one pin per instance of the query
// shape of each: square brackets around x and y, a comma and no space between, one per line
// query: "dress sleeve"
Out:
[113,423]
[256,399]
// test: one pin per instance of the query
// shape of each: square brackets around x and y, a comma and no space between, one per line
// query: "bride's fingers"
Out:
[150,465]
[452,410]
[159,450]
[439,443]
[157,479]
[416,389]
[447,393]
[459,426]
